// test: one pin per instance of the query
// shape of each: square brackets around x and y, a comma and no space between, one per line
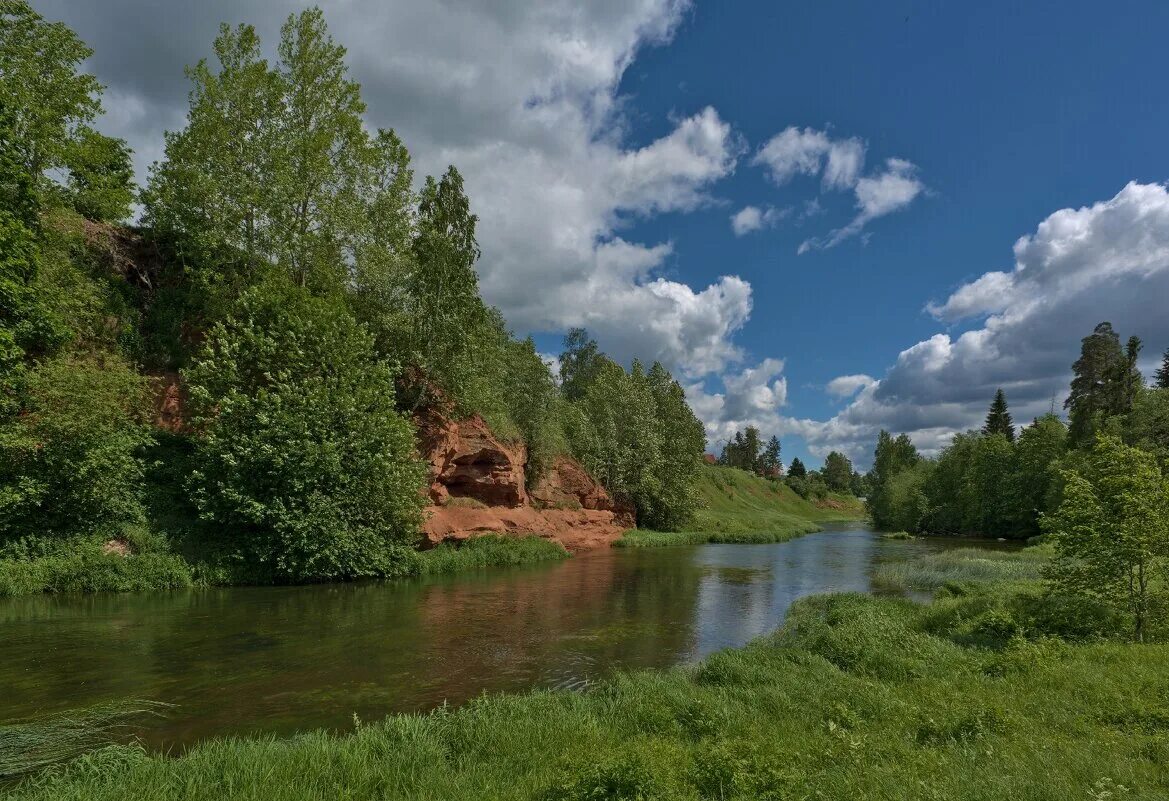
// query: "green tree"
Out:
[892,455]
[837,472]
[906,503]
[42,88]
[1147,425]
[998,419]
[579,363]
[1111,531]
[1162,375]
[323,152]
[769,461]
[1096,390]
[797,469]
[300,451]
[683,441]
[1038,451]
[71,462]
[101,176]
[212,193]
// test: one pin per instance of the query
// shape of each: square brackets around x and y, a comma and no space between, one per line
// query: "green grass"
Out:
[963,566]
[80,566]
[743,508]
[488,551]
[964,699]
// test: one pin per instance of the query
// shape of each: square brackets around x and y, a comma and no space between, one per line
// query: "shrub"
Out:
[299,450]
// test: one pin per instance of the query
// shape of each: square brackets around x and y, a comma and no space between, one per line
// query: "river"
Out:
[245,660]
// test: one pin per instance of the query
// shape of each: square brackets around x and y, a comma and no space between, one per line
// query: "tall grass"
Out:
[857,697]
[962,566]
[644,538]
[89,570]
[489,550]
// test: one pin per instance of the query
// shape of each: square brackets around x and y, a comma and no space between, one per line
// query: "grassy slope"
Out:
[740,507]
[857,697]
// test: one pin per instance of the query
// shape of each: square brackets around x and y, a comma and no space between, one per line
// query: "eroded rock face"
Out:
[477,487]
[568,485]
[468,461]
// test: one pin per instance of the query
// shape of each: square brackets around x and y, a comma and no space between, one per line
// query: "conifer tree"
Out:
[1094,389]
[998,419]
[797,469]
[1162,374]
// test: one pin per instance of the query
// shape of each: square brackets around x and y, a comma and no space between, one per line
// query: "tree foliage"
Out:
[998,419]
[1111,531]
[837,472]
[299,448]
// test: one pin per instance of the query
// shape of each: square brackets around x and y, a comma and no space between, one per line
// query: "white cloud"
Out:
[885,192]
[753,396]
[795,151]
[845,386]
[1107,261]
[753,218]
[522,96]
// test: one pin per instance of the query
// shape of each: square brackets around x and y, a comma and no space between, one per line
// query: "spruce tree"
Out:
[1095,387]
[1162,374]
[797,469]
[998,419]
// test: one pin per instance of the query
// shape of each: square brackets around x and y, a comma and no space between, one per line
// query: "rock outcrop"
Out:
[478,486]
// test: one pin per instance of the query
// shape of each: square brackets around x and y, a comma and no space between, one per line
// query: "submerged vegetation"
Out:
[856,697]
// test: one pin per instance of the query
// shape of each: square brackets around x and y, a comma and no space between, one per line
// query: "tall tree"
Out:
[579,363]
[1096,385]
[212,193]
[770,462]
[892,456]
[837,472]
[322,147]
[43,88]
[1162,376]
[797,469]
[998,419]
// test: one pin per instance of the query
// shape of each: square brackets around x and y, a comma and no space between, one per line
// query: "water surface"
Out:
[284,659]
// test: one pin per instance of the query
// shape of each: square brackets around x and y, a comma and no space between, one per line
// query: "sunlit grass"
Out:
[962,566]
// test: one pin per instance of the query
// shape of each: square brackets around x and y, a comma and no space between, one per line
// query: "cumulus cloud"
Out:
[806,151]
[753,218]
[752,396]
[1106,261]
[523,97]
[845,386]
[884,192]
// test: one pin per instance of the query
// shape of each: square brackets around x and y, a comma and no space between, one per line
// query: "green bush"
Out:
[299,450]
[70,463]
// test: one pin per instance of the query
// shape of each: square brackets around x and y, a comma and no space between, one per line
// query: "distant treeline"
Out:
[999,481]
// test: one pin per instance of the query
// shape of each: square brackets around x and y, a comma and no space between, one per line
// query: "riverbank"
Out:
[973,696]
[92,566]
[738,507]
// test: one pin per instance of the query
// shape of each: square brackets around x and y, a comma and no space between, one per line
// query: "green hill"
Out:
[738,506]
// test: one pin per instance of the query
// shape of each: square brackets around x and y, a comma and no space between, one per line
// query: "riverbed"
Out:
[246,660]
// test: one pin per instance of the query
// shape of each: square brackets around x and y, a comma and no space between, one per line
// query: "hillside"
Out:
[737,506]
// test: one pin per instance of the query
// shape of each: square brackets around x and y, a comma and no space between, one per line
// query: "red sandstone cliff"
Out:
[477,486]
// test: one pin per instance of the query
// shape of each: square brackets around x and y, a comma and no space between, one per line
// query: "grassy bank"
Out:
[743,508]
[857,697]
[84,567]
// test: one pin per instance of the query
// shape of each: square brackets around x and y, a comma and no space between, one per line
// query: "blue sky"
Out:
[607,146]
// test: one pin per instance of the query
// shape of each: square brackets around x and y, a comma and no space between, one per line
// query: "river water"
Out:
[285,659]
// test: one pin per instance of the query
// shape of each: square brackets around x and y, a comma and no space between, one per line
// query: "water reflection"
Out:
[282,659]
